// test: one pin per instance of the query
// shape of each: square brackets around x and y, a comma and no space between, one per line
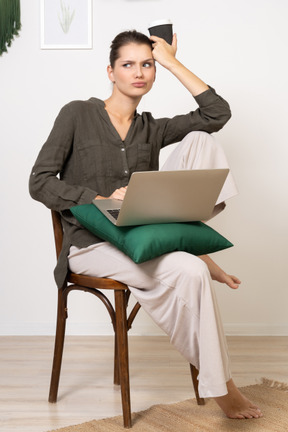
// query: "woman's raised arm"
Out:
[165,53]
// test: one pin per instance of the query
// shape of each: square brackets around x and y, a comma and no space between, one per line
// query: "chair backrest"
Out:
[58,231]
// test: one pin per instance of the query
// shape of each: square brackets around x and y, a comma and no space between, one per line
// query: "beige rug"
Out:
[187,416]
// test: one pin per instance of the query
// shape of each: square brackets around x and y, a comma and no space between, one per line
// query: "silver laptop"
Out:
[166,196]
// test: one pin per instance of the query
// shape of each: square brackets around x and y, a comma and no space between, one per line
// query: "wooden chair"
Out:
[121,324]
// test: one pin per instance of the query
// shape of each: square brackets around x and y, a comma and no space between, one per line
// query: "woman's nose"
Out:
[138,71]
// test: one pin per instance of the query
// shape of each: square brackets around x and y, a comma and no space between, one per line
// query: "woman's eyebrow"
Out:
[133,61]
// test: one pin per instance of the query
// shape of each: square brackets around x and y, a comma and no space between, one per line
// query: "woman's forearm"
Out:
[193,84]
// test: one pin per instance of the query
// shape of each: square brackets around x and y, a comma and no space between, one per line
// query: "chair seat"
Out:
[95,282]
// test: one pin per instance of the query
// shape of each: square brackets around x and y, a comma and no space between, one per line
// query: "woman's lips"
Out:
[139,84]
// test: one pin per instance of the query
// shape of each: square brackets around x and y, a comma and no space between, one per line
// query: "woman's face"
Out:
[134,71]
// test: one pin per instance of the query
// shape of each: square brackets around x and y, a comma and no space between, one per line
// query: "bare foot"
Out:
[230,280]
[237,406]
[219,275]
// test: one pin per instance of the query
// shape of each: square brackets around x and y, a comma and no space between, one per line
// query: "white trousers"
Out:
[175,289]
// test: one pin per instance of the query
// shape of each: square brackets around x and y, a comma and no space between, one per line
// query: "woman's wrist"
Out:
[174,65]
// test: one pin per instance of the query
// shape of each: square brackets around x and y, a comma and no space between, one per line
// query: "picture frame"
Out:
[66,24]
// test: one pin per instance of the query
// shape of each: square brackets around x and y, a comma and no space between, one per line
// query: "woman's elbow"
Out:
[227,115]
[222,119]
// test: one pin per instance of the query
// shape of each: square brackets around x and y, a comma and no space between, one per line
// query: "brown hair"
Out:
[125,38]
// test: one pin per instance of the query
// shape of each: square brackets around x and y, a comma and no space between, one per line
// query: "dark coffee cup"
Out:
[163,29]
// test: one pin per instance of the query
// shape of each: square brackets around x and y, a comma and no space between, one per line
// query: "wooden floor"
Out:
[158,374]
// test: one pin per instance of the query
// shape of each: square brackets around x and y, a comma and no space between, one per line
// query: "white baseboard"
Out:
[100,329]
[256,329]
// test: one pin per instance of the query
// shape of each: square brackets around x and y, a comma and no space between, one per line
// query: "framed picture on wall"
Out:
[66,24]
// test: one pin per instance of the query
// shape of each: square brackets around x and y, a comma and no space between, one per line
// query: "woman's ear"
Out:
[110,73]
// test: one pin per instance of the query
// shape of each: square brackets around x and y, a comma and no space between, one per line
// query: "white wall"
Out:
[237,47]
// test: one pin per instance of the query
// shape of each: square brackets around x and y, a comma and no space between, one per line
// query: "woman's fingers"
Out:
[119,193]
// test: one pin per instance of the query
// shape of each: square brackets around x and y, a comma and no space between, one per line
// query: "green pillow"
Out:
[144,242]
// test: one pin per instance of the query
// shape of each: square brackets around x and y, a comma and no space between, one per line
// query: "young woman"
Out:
[95,146]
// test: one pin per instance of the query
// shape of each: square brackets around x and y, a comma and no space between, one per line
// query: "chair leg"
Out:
[58,348]
[116,361]
[122,349]
[194,375]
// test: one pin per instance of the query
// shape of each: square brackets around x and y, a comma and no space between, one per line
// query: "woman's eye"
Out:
[147,65]
[127,65]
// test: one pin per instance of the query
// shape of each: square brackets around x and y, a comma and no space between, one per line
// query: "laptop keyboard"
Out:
[114,213]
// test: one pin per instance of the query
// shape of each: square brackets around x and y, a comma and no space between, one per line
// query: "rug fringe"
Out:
[265,382]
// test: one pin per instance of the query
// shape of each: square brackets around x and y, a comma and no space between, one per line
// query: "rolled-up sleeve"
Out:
[45,183]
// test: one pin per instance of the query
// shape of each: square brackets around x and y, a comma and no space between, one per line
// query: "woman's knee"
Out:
[199,138]
[198,134]
[195,151]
